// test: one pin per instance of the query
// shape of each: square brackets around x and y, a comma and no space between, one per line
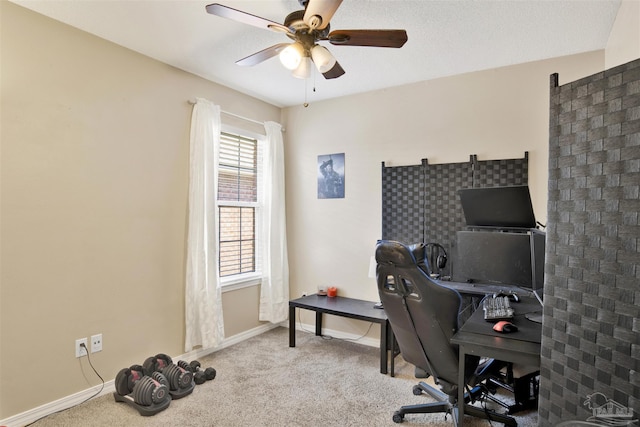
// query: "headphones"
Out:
[437,256]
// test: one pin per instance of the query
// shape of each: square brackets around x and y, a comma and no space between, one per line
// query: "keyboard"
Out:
[497,308]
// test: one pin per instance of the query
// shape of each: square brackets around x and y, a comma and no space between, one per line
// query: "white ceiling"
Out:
[446,37]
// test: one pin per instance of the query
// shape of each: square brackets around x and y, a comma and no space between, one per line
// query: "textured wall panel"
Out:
[442,204]
[402,207]
[500,173]
[421,203]
[591,331]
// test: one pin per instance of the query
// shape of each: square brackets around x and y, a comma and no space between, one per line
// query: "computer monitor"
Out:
[501,257]
[498,207]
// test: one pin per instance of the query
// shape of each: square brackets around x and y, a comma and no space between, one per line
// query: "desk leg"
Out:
[393,352]
[292,326]
[461,385]
[318,323]
[384,339]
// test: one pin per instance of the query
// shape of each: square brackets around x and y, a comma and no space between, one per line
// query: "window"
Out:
[238,207]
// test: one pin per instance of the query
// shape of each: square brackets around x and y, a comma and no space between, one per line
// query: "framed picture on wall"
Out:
[331,176]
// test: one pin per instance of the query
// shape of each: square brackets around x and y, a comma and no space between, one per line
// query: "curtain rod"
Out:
[192,102]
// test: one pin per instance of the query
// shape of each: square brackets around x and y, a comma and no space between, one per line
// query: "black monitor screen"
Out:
[500,207]
[496,257]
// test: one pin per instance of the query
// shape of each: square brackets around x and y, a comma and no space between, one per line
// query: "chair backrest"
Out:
[422,313]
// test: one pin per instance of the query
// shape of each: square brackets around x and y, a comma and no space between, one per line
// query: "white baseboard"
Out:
[199,353]
[70,401]
[67,402]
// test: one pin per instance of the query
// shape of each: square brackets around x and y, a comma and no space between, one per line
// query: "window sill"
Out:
[240,283]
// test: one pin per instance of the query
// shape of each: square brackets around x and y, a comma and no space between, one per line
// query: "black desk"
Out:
[481,289]
[345,307]
[477,337]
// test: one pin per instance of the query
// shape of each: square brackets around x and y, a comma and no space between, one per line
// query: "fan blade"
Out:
[263,55]
[246,18]
[334,72]
[376,38]
[318,13]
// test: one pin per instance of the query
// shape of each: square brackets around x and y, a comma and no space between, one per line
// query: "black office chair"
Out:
[424,316]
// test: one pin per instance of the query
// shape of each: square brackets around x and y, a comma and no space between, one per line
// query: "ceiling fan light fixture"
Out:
[292,55]
[323,59]
[304,69]
[305,28]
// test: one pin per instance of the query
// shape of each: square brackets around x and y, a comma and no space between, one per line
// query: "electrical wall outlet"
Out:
[96,343]
[81,351]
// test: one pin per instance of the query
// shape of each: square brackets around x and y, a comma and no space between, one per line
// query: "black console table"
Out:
[346,307]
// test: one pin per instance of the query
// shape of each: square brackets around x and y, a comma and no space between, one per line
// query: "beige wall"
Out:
[496,114]
[624,41]
[94,152]
[94,175]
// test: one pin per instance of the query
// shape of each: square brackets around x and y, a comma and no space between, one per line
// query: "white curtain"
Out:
[203,296]
[274,293]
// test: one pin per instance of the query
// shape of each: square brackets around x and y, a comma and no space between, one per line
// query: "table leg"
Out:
[461,385]
[318,323]
[292,326]
[393,352]
[384,339]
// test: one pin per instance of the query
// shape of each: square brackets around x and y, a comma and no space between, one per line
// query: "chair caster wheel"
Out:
[417,391]
[398,417]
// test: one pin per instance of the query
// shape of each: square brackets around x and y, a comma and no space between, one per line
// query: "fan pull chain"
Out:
[306,104]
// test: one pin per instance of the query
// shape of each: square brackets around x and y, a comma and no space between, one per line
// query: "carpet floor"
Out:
[263,382]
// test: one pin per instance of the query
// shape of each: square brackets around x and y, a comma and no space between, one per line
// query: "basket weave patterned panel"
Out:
[442,204]
[420,203]
[402,210]
[591,329]
[500,173]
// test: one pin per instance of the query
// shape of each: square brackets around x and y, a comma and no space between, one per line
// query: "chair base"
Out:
[445,405]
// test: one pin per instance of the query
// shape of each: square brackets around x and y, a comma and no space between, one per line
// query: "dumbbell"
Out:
[179,378]
[156,363]
[146,390]
[199,375]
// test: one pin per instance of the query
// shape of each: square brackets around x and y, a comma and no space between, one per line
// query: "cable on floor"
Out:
[329,337]
[84,401]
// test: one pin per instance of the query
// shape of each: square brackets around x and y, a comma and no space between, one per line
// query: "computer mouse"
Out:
[505,327]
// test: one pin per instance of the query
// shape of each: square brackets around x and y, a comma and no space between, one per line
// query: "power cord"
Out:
[97,374]
[329,337]
[84,401]
[483,404]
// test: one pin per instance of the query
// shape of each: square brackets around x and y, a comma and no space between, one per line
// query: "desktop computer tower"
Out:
[501,257]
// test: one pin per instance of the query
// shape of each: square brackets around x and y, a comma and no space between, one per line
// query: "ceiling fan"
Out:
[306,28]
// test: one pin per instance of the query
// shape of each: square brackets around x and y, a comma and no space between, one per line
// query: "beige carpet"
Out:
[263,382]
